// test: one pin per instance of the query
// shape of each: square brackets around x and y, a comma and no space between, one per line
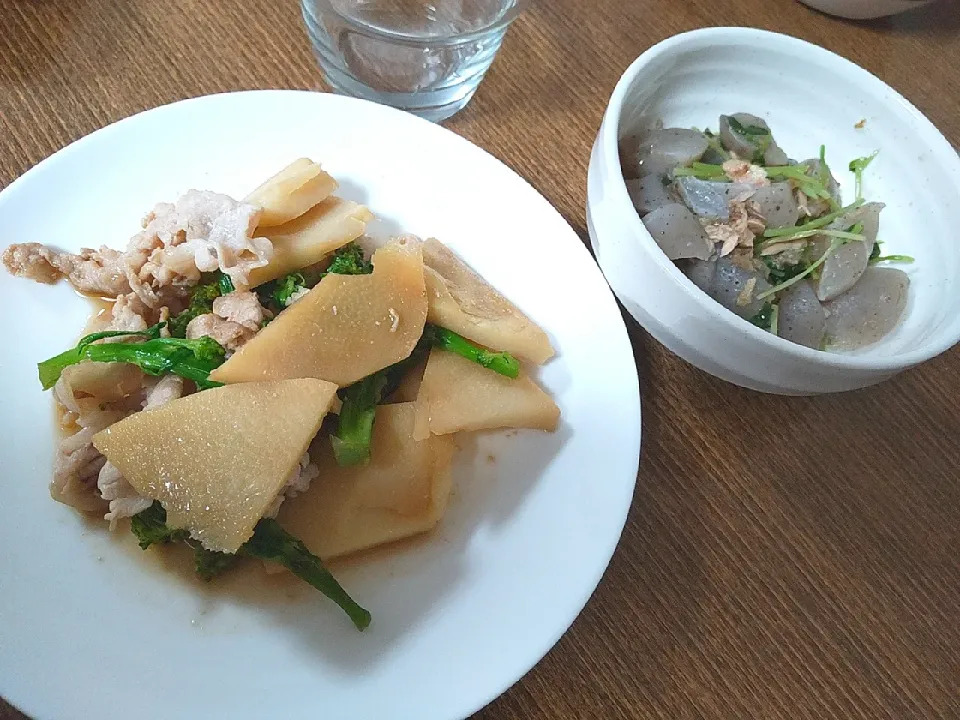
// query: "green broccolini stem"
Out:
[269,542]
[351,442]
[500,362]
[272,542]
[191,359]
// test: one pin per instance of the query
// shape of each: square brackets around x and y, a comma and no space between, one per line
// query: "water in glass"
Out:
[424,57]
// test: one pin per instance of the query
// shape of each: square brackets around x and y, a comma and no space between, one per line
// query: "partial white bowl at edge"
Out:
[864,9]
[810,97]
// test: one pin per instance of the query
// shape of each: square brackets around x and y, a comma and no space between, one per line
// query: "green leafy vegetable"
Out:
[269,542]
[702,171]
[892,258]
[747,131]
[857,167]
[278,294]
[808,184]
[775,319]
[764,316]
[780,273]
[272,542]
[500,362]
[150,527]
[208,564]
[287,287]
[350,260]
[190,359]
[351,442]
[352,439]
[797,231]
[225,284]
[755,134]
[835,244]
[201,303]
[824,170]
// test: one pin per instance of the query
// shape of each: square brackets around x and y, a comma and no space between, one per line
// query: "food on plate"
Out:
[402,491]
[262,387]
[767,237]
[457,394]
[345,328]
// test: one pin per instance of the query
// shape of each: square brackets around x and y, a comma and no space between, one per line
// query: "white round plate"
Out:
[93,627]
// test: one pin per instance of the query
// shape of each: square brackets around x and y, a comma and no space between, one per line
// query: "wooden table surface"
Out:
[783,558]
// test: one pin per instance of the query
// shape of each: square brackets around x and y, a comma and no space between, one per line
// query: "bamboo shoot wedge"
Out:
[311,237]
[462,301]
[217,459]
[291,192]
[345,328]
[403,491]
[457,394]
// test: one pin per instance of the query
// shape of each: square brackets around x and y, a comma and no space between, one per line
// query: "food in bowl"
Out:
[767,237]
[258,386]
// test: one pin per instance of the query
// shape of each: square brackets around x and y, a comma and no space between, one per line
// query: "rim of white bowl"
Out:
[942,341]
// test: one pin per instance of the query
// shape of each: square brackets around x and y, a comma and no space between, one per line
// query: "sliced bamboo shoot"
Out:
[457,394]
[462,301]
[311,237]
[403,491]
[217,459]
[345,328]
[291,192]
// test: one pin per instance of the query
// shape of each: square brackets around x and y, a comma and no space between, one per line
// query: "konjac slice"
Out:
[801,318]
[403,490]
[462,301]
[217,459]
[291,192]
[457,394]
[678,232]
[869,310]
[345,328]
[648,193]
[311,237]
[846,264]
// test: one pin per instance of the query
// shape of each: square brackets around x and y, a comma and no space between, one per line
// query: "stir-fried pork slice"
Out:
[235,319]
[299,482]
[124,500]
[78,463]
[93,272]
[242,307]
[201,232]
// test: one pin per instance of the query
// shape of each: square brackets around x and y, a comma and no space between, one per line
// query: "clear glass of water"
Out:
[426,57]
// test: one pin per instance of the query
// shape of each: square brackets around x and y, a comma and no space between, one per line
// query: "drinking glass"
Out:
[426,57]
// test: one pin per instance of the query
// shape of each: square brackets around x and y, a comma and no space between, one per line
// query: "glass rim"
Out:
[502,21]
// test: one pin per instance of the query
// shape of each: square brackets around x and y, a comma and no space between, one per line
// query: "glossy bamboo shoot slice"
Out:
[311,237]
[462,301]
[291,192]
[345,328]
[217,459]
[457,394]
[403,491]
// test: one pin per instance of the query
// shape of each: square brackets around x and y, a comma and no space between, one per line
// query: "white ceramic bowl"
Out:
[864,9]
[809,96]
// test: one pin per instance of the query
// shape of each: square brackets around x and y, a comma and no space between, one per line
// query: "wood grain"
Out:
[783,558]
